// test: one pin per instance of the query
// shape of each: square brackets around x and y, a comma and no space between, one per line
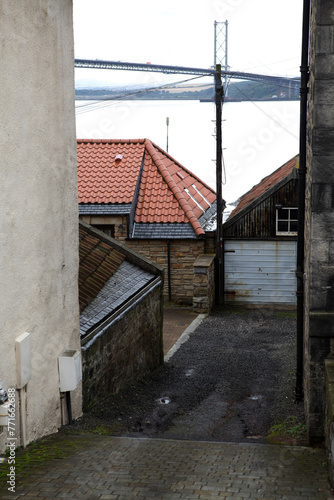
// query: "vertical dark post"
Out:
[69,407]
[304,75]
[169,272]
[219,230]
[167,123]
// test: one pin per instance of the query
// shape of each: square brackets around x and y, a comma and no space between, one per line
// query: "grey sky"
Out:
[264,36]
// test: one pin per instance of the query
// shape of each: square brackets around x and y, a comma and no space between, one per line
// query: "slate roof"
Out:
[138,172]
[267,183]
[163,231]
[102,209]
[107,279]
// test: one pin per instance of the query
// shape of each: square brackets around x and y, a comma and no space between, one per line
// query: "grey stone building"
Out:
[319,214]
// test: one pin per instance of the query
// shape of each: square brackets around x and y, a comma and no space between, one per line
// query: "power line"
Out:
[97,104]
[267,114]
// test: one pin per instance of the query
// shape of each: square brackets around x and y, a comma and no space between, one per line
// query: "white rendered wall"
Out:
[39,219]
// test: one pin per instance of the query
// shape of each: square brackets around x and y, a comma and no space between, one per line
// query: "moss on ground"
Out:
[291,431]
[40,453]
[286,314]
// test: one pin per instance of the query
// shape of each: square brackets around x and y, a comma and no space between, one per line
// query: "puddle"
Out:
[163,401]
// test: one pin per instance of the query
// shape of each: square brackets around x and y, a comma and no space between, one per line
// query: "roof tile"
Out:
[266,184]
[98,262]
[168,192]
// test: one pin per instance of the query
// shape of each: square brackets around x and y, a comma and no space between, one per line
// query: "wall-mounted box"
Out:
[70,372]
[23,359]
[4,415]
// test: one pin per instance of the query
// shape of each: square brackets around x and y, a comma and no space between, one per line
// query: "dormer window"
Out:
[286,221]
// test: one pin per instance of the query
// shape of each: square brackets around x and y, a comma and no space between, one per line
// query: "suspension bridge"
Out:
[291,85]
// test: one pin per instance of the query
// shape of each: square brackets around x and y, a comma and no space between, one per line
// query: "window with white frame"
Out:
[286,221]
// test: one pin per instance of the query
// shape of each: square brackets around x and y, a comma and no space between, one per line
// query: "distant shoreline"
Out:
[237,92]
[175,98]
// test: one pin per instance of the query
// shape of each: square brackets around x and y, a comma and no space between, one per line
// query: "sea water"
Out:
[257,137]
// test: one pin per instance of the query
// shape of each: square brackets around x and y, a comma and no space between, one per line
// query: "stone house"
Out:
[260,242]
[39,224]
[319,216]
[141,196]
[121,313]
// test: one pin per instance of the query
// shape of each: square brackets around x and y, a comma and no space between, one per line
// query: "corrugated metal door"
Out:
[260,272]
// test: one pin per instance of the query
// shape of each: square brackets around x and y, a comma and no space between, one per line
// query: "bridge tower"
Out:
[221,48]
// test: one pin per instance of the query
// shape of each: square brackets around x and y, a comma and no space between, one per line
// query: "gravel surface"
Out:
[231,381]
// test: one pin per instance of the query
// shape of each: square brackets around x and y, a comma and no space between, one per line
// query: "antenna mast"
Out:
[221,49]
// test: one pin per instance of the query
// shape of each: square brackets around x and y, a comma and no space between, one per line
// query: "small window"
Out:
[108,229]
[286,221]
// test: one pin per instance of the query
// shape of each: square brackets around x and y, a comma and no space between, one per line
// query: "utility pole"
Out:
[219,94]
[167,123]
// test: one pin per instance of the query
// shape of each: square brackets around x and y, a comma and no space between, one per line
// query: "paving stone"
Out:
[166,469]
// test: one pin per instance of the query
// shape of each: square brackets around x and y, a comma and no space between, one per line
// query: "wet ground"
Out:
[210,410]
[232,381]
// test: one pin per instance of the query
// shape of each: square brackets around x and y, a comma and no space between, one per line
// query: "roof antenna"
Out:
[167,123]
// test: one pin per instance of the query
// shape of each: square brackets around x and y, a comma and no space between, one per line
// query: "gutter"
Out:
[304,72]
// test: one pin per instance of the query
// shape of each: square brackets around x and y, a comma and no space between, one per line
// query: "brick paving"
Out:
[108,468]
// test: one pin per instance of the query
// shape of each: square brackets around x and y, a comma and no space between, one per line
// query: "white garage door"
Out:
[260,272]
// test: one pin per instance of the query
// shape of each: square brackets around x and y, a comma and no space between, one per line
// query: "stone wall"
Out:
[129,347]
[204,284]
[329,416]
[179,283]
[319,215]
[183,254]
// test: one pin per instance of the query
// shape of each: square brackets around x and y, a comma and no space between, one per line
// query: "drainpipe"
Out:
[304,77]
[69,407]
[169,272]
[22,400]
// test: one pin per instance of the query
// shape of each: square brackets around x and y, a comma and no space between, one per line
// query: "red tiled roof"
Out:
[266,184]
[98,262]
[104,179]
[168,192]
